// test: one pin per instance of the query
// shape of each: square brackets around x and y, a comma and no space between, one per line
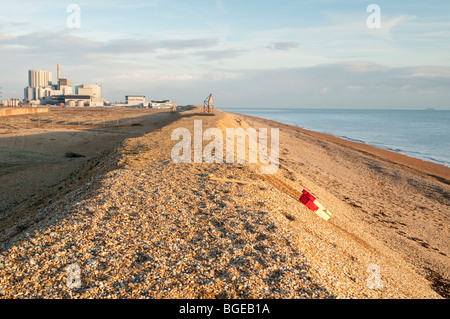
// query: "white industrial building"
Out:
[93,90]
[40,90]
[163,104]
[39,85]
[39,78]
[133,101]
[10,103]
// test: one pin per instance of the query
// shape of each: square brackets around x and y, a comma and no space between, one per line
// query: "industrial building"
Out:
[71,100]
[39,78]
[10,103]
[39,85]
[133,101]
[40,90]
[92,90]
[163,104]
[139,101]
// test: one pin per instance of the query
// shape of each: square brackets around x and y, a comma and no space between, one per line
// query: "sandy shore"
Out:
[140,226]
[402,201]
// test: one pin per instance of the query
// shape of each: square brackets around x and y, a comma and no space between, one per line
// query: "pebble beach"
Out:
[130,223]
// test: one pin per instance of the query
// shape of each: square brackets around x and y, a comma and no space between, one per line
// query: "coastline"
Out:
[436,170]
[400,200]
[139,223]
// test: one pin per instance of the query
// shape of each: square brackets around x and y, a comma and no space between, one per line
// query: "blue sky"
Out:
[263,53]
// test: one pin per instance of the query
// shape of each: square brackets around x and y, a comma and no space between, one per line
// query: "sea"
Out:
[423,134]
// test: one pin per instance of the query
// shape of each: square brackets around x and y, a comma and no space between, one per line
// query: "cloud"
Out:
[188,44]
[387,26]
[181,69]
[341,85]
[288,45]
[172,56]
[67,43]
[213,55]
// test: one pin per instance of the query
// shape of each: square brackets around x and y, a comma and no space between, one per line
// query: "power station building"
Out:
[39,78]
[92,90]
[40,90]
[39,86]
[133,101]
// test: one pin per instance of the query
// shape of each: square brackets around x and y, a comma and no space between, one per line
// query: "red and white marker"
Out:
[310,201]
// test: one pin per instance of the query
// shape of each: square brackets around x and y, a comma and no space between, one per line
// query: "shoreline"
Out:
[435,170]
[401,201]
[397,150]
[135,222]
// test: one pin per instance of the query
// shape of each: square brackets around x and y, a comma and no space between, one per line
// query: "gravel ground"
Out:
[150,228]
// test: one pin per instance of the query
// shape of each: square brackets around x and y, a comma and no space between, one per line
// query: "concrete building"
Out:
[133,101]
[93,90]
[71,100]
[39,85]
[65,86]
[163,104]
[40,90]
[39,78]
[11,103]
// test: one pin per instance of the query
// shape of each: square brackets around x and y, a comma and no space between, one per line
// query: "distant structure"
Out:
[92,90]
[39,78]
[12,103]
[208,104]
[71,100]
[136,100]
[133,101]
[40,90]
[39,86]
[140,101]
[163,104]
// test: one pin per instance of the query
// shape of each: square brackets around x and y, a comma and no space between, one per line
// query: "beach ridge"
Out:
[141,226]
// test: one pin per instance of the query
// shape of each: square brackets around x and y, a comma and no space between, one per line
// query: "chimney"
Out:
[59,71]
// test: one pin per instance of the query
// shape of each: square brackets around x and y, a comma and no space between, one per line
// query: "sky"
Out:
[265,53]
